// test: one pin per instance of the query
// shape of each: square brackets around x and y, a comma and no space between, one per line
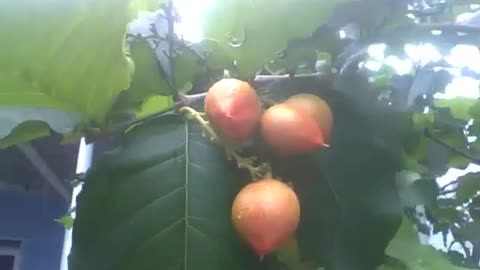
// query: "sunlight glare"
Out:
[373,65]
[460,87]
[401,66]
[192,14]
[377,51]
[423,53]
[467,56]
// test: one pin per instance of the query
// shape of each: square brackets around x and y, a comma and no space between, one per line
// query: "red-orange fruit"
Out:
[266,214]
[233,109]
[289,131]
[317,108]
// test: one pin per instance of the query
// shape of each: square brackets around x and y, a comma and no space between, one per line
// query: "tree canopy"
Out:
[401,78]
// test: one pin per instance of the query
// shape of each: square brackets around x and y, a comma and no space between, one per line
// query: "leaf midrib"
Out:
[187,164]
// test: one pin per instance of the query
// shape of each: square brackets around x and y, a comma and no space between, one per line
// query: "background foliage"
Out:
[161,196]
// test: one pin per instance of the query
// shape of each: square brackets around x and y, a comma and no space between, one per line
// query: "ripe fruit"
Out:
[233,109]
[317,108]
[266,214]
[289,131]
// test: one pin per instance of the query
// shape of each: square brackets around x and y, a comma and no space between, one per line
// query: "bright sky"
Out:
[192,15]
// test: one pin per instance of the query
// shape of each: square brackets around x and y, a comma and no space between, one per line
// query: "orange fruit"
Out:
[266,214]
[233,109]
[288,131]
[317,108]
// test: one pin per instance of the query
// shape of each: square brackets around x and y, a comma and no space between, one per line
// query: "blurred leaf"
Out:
[474,208]
[459,162]
[63,56]
[147,78]
[407,247]
[25,131]
[78,53]
[153,105]
[468,187]
[471,232]
[475,110]
[459,106]
[418,192]
[21,124]
[256,31]
[217,56]
[442,227]
[289,255]
[446,214]
[423,120]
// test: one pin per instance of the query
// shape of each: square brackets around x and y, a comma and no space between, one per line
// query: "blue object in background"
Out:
[30,218]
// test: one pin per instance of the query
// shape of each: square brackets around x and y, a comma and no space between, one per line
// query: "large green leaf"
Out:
[65,56]
[257,30]
[406,246]
[161,201]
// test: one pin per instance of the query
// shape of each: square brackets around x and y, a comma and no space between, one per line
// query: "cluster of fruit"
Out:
[266,212]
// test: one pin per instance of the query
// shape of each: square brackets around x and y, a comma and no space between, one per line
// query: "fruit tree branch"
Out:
[429,135]
[189,100]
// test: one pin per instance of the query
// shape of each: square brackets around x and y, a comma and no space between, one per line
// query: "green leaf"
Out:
[160,201]
[147,78]
[475,111]
[63,56]
[406,246]
[22,124]
[257,31]
[289,255]
[415,191]
[471,232]
[474,209]
[153,105]
[459,106]
[423,120]
[217,57]
[25,132]
[468,186]
[66,221]
[150,79]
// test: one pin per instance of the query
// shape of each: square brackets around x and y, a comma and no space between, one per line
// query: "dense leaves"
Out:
[161,200]
[413,254]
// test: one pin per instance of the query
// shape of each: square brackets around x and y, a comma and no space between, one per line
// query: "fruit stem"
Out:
[257,172]
[194,115]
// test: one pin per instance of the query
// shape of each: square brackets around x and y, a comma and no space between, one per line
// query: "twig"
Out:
[171,44]
[429,135]
[443,190]
[446,27]
[272,78]
[188,100]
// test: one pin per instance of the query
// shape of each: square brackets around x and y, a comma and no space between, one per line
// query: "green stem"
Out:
[256,172]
